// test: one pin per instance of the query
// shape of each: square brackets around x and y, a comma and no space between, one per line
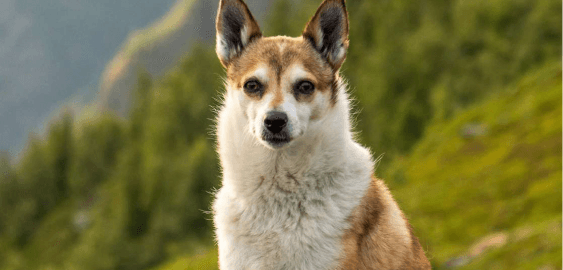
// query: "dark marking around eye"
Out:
[253,87]
[304,88]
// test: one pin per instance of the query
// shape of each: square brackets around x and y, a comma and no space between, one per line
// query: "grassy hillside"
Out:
[205,260]
[154,49]
[100,192]
[490,177]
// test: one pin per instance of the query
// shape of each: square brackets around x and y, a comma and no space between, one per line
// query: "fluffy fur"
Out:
[310,202]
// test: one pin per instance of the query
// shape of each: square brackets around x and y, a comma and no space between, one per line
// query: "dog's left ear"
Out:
[236,28]
[328,31]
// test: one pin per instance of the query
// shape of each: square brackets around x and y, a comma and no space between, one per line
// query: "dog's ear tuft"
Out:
[328,31]
[236,28]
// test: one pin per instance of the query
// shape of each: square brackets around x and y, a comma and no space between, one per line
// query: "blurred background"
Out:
[106,127]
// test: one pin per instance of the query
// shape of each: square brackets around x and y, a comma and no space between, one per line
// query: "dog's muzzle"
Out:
[275,132]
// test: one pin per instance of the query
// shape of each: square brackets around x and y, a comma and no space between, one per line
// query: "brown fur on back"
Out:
[371,243]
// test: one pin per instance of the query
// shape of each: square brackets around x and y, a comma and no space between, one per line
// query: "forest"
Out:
[462,99]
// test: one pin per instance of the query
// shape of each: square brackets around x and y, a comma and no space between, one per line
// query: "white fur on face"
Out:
[297,73]
[262,74]
[299,112]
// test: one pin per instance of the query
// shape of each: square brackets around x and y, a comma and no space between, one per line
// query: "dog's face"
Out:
[282,84]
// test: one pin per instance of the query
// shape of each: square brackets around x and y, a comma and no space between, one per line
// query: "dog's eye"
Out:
[252,86]
[304,87]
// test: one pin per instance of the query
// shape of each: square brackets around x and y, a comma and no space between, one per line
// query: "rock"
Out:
[472,130]
[457,262]
[496,240]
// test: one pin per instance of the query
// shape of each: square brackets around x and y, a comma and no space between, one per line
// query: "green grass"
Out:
[457,189]
[204,260]
[537,246]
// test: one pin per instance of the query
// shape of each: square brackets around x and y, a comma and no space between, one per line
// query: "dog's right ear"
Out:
[328,31]
[236,28]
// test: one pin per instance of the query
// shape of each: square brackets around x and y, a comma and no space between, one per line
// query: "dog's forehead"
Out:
[277,54]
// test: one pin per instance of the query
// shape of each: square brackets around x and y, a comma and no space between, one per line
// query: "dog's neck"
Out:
[326,148]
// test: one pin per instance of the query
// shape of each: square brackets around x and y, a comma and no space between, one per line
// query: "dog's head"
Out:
[281,84]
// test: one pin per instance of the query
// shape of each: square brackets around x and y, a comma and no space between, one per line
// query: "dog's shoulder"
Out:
[380,237]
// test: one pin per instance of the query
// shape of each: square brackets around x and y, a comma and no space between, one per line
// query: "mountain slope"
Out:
[493,172]
[159,47]
[52,53]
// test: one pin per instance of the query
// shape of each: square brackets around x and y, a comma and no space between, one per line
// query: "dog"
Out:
[298,191]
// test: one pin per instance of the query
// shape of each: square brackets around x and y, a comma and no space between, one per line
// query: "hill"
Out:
[490,177]
[100,192]
[158,48]
[53,52]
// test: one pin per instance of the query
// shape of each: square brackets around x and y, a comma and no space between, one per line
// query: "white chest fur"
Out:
[289,222]
[287,209]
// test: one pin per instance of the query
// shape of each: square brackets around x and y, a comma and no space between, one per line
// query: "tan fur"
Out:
[372,243]
[278,54]
[278,98]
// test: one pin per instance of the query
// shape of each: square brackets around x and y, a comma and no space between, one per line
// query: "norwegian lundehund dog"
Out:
[298,192]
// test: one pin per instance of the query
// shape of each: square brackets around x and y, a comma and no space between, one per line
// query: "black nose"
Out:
[275,121]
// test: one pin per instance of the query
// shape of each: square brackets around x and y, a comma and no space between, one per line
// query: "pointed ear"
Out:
[328,31]
[236,28]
